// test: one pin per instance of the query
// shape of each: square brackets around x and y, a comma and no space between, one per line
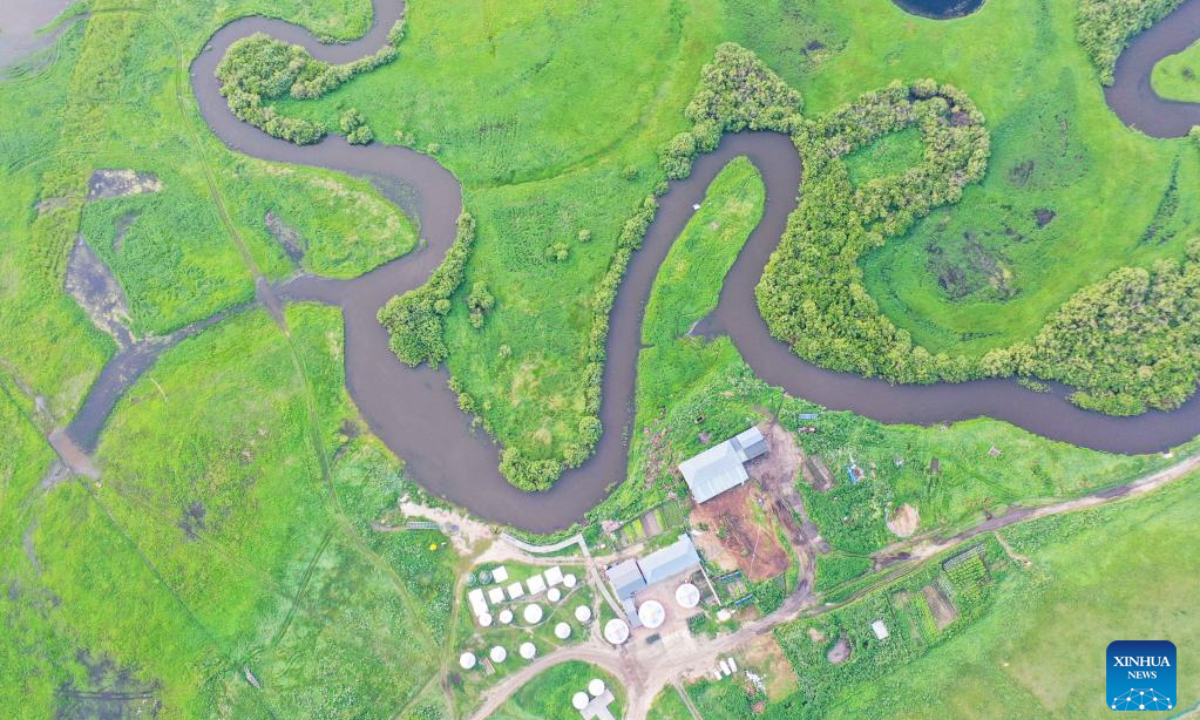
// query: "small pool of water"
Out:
[939,9]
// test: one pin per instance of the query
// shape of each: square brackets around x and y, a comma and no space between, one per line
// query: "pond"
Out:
[939,9]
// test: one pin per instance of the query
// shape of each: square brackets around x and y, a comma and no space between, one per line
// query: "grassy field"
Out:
[1177,77]
[1039,652]
[548,696]
[220,544]
[669,706]
[983,273]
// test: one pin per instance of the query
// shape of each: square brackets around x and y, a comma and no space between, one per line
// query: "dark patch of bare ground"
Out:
[121,228]
[944,611]
[288,237]
[1044,216]
[840,652]
[97,291]
[192,523]
[121,183]
[108,692]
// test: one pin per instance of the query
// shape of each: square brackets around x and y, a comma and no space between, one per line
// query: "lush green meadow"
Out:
[1177,77]
[548,696]
[224,565]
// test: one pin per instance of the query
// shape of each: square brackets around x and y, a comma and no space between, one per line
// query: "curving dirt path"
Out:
[417,416]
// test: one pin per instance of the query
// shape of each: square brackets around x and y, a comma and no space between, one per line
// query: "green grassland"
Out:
[1055,146]
[669,706]
[548,696]
[1177,77]
[112,95]
[1036,653]
[689,386]
[229,533]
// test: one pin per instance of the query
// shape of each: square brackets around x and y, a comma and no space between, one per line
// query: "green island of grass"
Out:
[1177,77]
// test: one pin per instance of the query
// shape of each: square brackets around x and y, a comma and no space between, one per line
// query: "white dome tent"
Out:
[652,614]
[579,700]
[533,613]
[616,631]
[687,595]
[562,631]
[498,654]
[596,687]
[583,613]
[466,661]
[527,650]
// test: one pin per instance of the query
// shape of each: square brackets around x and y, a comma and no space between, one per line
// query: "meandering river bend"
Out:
[417,416]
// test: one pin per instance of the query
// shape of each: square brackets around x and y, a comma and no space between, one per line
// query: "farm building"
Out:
[631,576]
[722,467]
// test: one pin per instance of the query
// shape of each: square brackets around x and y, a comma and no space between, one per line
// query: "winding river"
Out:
[417,416]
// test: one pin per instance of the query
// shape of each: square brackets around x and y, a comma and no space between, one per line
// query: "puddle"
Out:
[121,183]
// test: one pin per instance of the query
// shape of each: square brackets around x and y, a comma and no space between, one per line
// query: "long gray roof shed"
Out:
[676,558]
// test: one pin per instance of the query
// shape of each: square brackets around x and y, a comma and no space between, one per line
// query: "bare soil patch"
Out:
[840,652]
[768,661]
[817,473]
[943,610]
[288,237]
[740,523]
[905,520]
[816,635]
[779,467]
[121,183]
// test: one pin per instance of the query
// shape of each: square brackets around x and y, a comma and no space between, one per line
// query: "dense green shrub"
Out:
[415,319]
[479,301]
[1106,26]
[1127,342]
[736,92]
[354,127]
[259,68]
[835,568]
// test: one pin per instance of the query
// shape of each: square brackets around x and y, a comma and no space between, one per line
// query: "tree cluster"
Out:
[415,320]
[354,127]
[479,301]
[736,92]
[1129,342]
[811,293]
[1105,27]
[258,69]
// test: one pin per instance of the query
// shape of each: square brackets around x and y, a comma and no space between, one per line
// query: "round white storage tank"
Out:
[498,654]
[485,620]
[466,661]
[579,700]
[596,687]
[652,614]
[687,595]
[554,595]
[506,616]
[527,650]
[533,613]
[616,631]
[562,631]
[583,613]
[570,580]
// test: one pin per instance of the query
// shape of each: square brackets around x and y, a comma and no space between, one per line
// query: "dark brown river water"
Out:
[415,414]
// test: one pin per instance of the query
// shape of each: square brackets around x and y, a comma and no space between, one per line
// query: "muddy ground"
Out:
[93,285]
[943,610]
[120,183]
[741,533]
